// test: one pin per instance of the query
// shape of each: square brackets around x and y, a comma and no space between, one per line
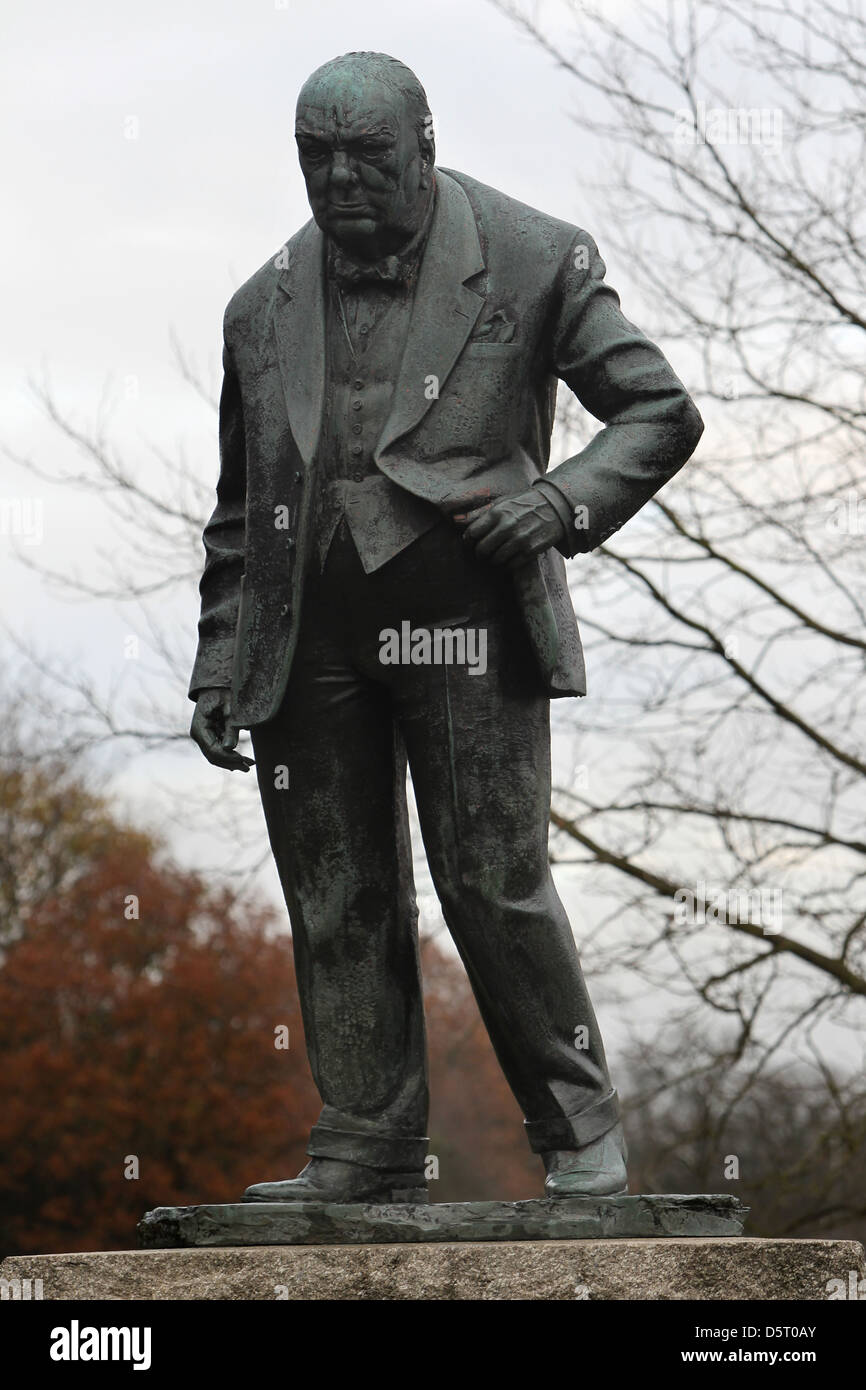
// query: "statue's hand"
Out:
[514,529]
[213,733]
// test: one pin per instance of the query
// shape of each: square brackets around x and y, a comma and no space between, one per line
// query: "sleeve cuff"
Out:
[562,507]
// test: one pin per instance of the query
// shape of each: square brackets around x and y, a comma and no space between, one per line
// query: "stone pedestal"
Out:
[563,1270]
[648,1248]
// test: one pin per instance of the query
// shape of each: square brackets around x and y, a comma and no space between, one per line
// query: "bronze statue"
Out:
[385,579]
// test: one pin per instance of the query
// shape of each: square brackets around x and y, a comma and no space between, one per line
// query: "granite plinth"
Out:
[319,1223]
[561,1270]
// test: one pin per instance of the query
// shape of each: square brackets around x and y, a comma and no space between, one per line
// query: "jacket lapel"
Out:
[444,313]
[299,326]
[444,310]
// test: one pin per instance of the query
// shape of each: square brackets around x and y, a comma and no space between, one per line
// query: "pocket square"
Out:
[499,328]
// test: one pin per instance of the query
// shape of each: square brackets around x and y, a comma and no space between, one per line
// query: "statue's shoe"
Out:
[332,1180]
[597,1170]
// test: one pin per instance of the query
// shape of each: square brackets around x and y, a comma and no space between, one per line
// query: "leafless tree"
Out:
[719,806]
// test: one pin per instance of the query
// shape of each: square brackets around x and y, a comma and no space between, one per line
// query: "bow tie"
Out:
[389,270]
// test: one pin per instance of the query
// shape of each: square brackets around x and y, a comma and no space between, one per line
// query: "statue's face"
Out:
[366,180]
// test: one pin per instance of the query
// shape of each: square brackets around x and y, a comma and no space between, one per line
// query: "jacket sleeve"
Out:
[225,544]
[651,424]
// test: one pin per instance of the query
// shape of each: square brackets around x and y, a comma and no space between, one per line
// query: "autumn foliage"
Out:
[141,1014]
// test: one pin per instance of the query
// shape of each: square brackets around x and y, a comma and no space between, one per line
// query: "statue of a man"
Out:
[385,578]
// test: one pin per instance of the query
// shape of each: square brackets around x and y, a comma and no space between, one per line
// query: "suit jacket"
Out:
[508,301]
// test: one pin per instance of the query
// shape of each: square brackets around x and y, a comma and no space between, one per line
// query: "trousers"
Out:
[331,769]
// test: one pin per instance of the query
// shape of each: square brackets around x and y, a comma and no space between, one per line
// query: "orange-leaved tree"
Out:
[143,1023]
[151,1045]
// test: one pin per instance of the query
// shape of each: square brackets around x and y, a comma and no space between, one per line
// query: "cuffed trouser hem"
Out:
[574,1131]
[391,1152]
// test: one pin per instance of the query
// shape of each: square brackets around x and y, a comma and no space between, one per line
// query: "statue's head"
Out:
[365,143]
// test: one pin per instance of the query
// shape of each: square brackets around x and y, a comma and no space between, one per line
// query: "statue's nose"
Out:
[341,174]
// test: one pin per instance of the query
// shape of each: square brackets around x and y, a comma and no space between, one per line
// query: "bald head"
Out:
[340,78]
[365,143]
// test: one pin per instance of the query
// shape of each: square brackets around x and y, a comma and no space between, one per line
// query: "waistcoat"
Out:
[365,335]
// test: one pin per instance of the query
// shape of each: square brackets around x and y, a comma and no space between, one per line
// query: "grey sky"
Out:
[149,168]
[149,162]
